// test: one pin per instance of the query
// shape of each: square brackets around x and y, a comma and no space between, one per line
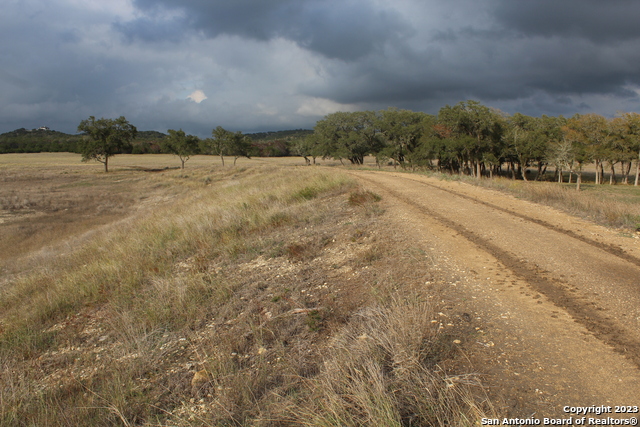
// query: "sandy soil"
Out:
[555,299]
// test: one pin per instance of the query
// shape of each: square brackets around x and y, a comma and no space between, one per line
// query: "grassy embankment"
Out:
[257,296]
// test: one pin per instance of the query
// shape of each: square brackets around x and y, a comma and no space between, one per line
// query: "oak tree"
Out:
[104,138]
[182,145]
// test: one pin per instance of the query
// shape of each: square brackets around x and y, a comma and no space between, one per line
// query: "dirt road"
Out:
[554,300]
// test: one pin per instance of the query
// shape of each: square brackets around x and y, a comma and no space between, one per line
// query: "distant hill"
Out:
[46,140]
[275,144]
[150,135]
[37,140]
[281,134]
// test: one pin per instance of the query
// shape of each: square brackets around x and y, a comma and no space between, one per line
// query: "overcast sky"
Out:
[256,65]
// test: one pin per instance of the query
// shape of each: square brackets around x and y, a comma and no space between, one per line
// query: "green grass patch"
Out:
[307,193]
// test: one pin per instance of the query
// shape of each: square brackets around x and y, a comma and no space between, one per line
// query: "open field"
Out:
[247,295]
[271,293]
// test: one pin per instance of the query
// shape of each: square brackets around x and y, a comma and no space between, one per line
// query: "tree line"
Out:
[104,138]
[473,139]
[467,138]
[263,144]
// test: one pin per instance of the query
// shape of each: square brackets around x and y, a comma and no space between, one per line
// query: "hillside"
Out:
[37,140]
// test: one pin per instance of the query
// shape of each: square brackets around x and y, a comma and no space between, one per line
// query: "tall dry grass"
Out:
[384,369]
[135,270]
[127,264]
[151,322]
[616,206]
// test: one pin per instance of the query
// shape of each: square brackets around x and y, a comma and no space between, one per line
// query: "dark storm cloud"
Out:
[343,29]
[503,51]
[596,20]
[275,64]
[152,29]
[14,80]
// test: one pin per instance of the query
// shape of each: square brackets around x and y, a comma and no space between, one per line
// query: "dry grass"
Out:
[254,295]
[384,370]
[610,205]
[46,198]
[616,206]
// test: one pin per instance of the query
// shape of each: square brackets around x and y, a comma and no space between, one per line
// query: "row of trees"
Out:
[45,140]
[104,138]
[470,138]
[467,138]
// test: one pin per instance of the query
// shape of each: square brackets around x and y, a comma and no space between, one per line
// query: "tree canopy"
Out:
[226,143]
[182,145]
[104,138]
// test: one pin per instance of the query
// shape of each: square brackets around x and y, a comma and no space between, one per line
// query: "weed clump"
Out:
[307,193]
[361,197]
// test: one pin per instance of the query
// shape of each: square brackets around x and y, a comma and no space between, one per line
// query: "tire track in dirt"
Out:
[556,290]
[613,250]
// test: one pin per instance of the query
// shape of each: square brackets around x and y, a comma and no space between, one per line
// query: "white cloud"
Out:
[197,96]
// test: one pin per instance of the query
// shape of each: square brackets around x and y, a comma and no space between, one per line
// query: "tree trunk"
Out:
[560,178]
[578,180]
[626,169]
[106,164]
[539,173]
[222,158]
[612,178]
[637,172]
[523,171]
[182,163]
[579,176]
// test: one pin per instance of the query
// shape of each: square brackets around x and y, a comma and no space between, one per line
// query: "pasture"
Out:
[260,294]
